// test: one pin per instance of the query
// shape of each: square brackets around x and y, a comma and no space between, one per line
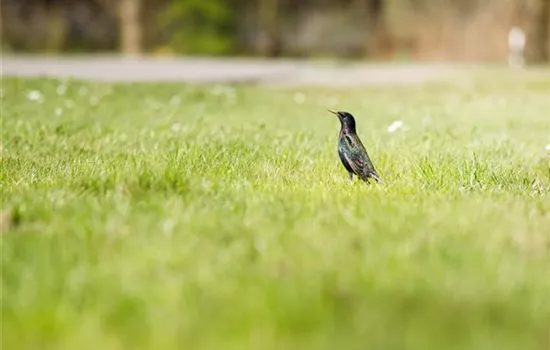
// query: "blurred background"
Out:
[418,30]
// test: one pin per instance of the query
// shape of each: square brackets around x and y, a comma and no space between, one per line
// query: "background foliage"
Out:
[378,29]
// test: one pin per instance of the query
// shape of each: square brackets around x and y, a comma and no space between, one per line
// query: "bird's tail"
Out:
[378,179]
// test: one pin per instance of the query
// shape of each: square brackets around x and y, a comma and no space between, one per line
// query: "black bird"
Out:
[351,150]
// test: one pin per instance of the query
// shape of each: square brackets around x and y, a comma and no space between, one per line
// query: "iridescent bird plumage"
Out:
[351,150]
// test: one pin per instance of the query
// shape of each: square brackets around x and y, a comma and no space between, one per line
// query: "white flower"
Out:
[396,125]
[61,89]
[547,147]
[83,91]
[176,127]
[299,98]
[175,100]
[35,95]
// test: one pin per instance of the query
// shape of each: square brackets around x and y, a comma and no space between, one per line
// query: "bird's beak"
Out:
[335,113]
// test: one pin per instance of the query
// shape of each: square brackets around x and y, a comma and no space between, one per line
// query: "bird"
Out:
[352,153]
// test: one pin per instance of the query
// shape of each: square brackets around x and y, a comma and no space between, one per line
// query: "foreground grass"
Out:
[173,217]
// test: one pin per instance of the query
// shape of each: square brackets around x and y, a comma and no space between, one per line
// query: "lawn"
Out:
[152,216]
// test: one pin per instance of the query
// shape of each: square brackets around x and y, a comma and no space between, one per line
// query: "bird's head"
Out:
[346,119]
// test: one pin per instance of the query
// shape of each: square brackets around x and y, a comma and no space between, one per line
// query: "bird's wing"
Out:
[359,161]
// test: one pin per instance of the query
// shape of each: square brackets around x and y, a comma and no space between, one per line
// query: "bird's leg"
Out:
[351,176]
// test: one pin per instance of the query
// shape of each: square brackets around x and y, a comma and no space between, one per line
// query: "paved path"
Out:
[226,70]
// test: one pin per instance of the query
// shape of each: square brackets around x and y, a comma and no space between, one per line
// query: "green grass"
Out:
[177,217]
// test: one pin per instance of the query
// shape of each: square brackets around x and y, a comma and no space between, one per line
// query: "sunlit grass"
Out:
[171,217]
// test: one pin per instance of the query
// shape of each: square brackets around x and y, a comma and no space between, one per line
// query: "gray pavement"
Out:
[223,70]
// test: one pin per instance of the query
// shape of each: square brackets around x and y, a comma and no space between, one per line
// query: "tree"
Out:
[376,25]
[268,16]
[56,27]
[201,26]
[538,34]
[130,26]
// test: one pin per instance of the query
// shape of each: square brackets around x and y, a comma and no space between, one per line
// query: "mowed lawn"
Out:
[154,216]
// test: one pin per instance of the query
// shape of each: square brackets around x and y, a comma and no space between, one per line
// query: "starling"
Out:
[352,153]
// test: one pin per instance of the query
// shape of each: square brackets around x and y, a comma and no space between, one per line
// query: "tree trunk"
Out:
[372,10]
[56,28]
[130,26]
[269,41]
[538,34]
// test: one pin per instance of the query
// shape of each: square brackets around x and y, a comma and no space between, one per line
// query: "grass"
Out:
[218,217]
